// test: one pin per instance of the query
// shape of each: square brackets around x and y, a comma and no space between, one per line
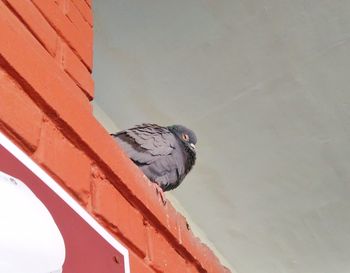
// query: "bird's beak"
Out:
[193,146]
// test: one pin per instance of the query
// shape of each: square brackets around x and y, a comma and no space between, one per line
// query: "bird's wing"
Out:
[156,139]
[167,171]
[171,169]
[146,143]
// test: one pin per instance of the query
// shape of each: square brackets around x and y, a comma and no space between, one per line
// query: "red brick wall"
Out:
[45,93]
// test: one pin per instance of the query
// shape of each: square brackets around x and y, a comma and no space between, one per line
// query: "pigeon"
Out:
[164,154]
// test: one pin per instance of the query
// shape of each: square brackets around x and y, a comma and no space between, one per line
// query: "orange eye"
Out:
[185,137]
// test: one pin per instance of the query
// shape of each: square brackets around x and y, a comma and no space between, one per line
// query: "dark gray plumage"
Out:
[164,154]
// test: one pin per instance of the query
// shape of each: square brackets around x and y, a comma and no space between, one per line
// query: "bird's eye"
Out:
[185,137]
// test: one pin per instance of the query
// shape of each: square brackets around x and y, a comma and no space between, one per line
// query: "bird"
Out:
[165,154]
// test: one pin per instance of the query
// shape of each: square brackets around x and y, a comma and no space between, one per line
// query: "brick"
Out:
[209,261]
[183,229]
[109,204]
[143,189]
[191,268]
[18,112]
[64,160]
[36,23]
[78,71]
[60,53]
[89,2]
[172,222]
[66,102]
[163,256]
[78,20]
[198,251]
[138,265]
[61,4]
[85,10]
[153,202]
[74,38]
[202,254]
[186,237]
[37,68]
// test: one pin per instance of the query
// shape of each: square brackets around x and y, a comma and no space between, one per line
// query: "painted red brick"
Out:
[186,237]
[192,268]
[75,38]
[18,112]
[36,23]
[209,261]
[203,255]
[109,204]
[64,160]
[84,9]
[59,57]
[78,20]
[37,68]
[163,257]
[172,222]
[77,71]
[61,4]
[89,2]
[191,243]
[138,265]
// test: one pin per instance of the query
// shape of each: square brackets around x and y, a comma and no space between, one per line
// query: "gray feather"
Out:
[158,152]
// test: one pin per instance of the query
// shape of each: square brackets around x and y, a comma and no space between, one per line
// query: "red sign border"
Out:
[55,187]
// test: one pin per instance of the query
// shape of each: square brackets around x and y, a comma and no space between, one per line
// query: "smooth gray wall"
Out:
[265,84]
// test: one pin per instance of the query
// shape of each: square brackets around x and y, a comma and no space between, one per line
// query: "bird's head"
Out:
[187,136]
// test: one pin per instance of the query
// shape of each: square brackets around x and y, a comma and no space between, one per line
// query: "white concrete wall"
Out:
[265,84]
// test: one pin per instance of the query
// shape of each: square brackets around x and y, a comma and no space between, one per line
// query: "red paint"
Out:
[111,205]
[77,71]
[16,104]
[138,264]
[76,39]
[76,17]
[84,9]
[163,257]
[36,22]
